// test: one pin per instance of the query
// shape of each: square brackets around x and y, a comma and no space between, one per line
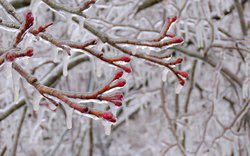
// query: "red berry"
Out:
[107,115]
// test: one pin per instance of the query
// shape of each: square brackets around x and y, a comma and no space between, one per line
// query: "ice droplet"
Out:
[65,64]
[36,101]
[107,127]
[69,115]
[178,88]
[165,74]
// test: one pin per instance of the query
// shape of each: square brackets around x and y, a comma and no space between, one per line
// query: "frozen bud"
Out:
[170,35]
[120,83]
[184,74]
[125,59]
[179,60]
[10,57]
[29,18]
[173,19]
[117,103]
[107,115]
[118,96]
[181,81]
[113,119]
[178,40]
[127,69]
[29,52]
[118,74]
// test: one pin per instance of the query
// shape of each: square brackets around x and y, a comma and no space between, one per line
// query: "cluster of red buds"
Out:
[40,29]
[11,56]
[123,59]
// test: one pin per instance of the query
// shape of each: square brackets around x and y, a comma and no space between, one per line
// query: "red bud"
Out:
[117,103]
[173,19]
[125,59]
[107,115]
[10,57]
[178,60]
[29,52]
[184,74]
[29,18]
[112,120]
[178,40]
[127,69]
[120,83]
[118,74]
[181,81]
[118,96]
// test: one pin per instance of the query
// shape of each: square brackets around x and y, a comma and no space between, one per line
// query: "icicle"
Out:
[36,100]
[165,74]
[246,88]
[107,127]
[99,70]
[56,59]
[65,64]
[114,109]
[69,115]
[52,106]
[16,86]
[178,88]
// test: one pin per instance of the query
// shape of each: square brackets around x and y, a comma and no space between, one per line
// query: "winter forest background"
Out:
[188,92]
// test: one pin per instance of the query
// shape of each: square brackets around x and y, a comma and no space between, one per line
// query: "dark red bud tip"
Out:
[121,83]
[10,57]
[127,69]
[29,18]
[170,35]
[179,60]
[112,120]
[29,51]
[118,74]
[117,103]
[181,81]
[184,74]
[125,59]
[118,96]
[173,19]
[178,40]
[107,115]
